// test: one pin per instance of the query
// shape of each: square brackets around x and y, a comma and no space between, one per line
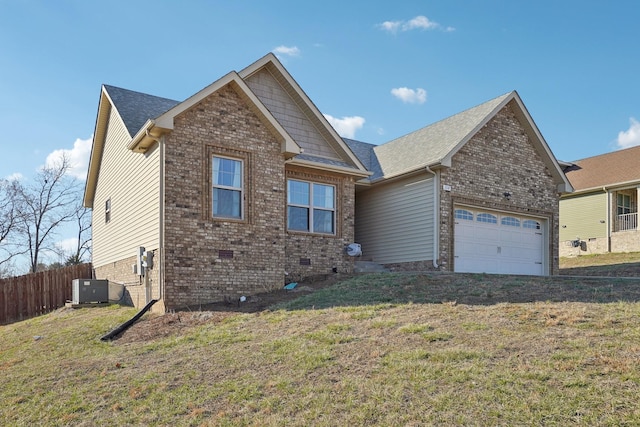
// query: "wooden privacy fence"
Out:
[38,293]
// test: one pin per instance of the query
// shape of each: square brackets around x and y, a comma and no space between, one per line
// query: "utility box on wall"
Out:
[89,290]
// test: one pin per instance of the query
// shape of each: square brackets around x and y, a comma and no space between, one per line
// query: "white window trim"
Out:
[311,207]
[226,187]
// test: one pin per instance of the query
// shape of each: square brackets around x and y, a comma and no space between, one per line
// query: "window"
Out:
[488,218]
[107,211]
[531,224]
[463,214]
[510,221]
[624,204]
[227,186]
[310,207]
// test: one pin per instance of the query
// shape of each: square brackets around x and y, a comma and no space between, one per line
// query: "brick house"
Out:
[602,214]
[246,181]
[231,189]
[476,192]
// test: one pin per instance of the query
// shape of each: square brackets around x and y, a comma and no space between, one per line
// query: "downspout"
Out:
[161,221]
[436,219]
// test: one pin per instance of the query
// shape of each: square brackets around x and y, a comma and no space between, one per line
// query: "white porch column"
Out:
[636,207]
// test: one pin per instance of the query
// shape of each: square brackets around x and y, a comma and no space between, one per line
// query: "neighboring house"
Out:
[245,185]
[476,192]
[232,189]
[602,215]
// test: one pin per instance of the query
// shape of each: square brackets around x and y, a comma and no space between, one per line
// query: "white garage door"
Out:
[492,242]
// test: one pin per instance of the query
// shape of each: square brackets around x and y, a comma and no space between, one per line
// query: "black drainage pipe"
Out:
[126,325]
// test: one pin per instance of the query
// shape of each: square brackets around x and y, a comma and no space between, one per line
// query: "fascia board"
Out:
[332,168]
[608,187]
[102,119]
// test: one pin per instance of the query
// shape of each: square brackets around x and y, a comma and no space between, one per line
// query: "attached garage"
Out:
[492,206]
[498,242]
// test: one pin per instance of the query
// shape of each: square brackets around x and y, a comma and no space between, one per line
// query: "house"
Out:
[245,185]
[476,192]
[228,191]
[602,214]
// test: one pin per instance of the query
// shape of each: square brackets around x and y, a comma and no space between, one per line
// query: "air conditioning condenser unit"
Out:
[90,291]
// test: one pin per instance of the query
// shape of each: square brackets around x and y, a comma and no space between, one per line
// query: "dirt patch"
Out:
[424,288]
[155,326]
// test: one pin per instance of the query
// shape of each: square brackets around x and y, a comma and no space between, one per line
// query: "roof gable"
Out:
[616,168]
[435,145]
[152,129]
[299,100]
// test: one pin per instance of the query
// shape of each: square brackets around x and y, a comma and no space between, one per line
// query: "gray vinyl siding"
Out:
[581,216]
[131,181]
[394,222]
[289,115]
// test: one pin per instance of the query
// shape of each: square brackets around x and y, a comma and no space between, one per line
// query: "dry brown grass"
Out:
[375,350]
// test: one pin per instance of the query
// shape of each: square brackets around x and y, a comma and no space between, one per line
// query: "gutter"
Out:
[141,142]
[328,167]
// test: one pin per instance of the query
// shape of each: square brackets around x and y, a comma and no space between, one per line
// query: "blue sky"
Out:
[378,69]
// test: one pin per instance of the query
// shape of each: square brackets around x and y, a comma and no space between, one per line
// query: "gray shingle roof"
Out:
[365,153]
[432,144]
[136,108]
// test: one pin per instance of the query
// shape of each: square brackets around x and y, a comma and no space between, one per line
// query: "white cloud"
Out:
[391,26]
[420,22]
[78,157]
[631,136]
[17,176]
[346,126]
[410,96]
[286,51]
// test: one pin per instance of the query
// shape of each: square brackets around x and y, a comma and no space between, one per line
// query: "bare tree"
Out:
[9,223]
[45,205]
[82,218]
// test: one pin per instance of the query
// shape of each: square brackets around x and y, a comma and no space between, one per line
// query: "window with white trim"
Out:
[227,187]
[311,207]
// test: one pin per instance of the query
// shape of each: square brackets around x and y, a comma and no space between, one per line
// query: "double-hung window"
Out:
[311,207]
[624,204]
[227,187]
